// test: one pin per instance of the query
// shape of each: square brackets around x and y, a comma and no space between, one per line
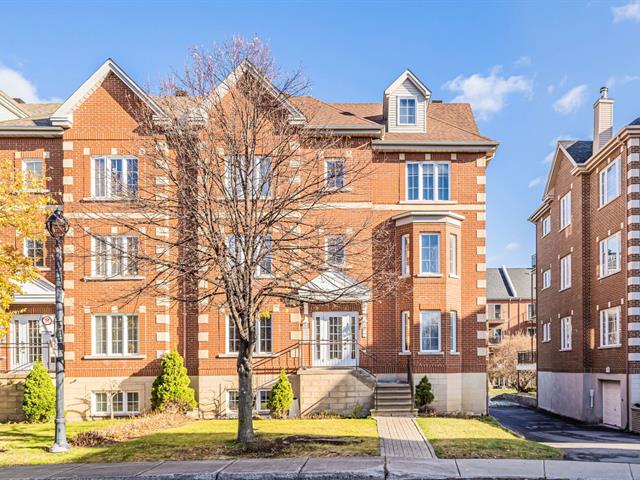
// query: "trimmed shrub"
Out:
[424,395]
[171,390]
[280,397]
[39,403]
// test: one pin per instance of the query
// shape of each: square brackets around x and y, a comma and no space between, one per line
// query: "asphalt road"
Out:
[578,441]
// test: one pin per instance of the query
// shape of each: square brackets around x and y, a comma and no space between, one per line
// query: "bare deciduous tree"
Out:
[243,212]
[503,361]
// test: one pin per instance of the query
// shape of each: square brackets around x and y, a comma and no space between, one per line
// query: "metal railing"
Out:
[527,356]
[494,340]
[20,357]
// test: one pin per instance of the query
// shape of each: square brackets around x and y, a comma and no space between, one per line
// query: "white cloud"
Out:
[615,80]
[488,94]
[512,246]
[523,61]
[630,11]
[571,101]
[534,182]
[553,87]
[14,84]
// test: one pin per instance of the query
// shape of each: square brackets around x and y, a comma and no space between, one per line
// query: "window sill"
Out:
[545,235]
[114,357]
[43,269]
[37,190]
[404,354]
[565,289]
[112,279]
[609,202]
[565,227]
[406,275]
[106,199]
[339,189]
[429,275]
[602,277]
[454,353]
[427,202]
[339,266]
[119,414]
[431,353]
[564,350]
[545,341]
[454,276]
[265,276]
[605,347]
[255,355]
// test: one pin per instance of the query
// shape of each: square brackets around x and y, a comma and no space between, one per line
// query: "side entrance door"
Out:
[335,339]
[611,404]
[29,342]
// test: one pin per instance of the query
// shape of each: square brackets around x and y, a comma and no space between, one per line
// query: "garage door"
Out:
[611,404]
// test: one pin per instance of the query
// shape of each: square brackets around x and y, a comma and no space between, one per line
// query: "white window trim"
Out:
[602,262]
[108,256]
[259,337]
[255,181]
[228,402]
[453,331]
[565,337]
[125,175]
[602,190]
[125,403]
[563,200]
[25,251]
[603,324]
[255,402]
[453,256]
[565,276]
[436,193]
[258,410]
[439,350]
[546,230]
[227,336]
[404,323]
[546,332]
[125,336]
[438,272]
[259,272]
[415,106]
[405,266]
[544,287]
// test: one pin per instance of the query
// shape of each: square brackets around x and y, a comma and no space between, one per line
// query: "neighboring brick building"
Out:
[510,302]
[112,349]
[588,275]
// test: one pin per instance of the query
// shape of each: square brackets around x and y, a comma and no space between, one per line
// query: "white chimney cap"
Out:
[604,92]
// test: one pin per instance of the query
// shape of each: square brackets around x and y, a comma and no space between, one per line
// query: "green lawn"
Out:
[480,438]
[494,392]
[22,443]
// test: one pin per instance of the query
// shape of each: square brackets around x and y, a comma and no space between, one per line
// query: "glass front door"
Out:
[335,339]
[28,344]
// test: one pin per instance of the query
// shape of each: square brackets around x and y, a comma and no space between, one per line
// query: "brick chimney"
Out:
[602,120]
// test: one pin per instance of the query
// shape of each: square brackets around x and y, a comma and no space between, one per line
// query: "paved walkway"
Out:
[401,437]
[341,468]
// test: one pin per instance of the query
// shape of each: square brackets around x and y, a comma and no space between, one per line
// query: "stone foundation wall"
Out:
[11,395]
[336,391]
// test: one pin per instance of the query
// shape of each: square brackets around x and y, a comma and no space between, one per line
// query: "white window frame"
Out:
[125,335]
[604,256]
[254,183]
[108,187]
[228,401]
[266,240]
[25,251]
[28,161]
[565,211]
[405,267]
[565,334]
[256,401]
[438,270]
[453,255]
[453,331]
[546,332]
[258,327]
[546,226]
[110,250]
[404,324]
[604,327]
[227,335]
[565,272]
[436,181]
[110,395]
[327,161]
[497,307]
[546,278]
[259,392]
[415,110]
[531,311]
[327,242]
[439,323]
[613,167]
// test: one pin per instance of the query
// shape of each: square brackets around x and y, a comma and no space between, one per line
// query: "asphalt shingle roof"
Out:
[509,283]
[580,150]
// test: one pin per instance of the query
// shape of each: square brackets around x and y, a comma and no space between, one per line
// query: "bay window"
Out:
[429,253]
[430,327]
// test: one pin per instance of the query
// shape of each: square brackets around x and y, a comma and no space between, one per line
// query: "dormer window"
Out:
[406,111]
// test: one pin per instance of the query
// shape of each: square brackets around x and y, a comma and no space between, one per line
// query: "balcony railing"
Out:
[527,357]
[494,340]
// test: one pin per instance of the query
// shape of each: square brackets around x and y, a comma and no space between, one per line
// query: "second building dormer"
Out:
[405,104]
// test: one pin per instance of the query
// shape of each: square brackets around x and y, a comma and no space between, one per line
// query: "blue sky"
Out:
[532,70]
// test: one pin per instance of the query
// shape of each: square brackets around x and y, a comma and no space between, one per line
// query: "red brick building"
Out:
[113,349]
[587,242]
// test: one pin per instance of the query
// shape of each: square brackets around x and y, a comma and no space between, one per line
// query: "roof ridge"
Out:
[509,282]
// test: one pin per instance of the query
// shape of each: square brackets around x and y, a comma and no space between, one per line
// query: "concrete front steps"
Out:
[393,400]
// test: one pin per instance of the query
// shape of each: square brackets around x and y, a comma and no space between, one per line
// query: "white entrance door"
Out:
[611,404]
[335,339]
[28,344]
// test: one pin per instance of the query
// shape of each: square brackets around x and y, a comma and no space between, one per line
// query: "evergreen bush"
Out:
[280,397]
[171,390]
[424,395]
[39,403]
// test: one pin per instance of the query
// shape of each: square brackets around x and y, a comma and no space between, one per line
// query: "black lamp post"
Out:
[58,226]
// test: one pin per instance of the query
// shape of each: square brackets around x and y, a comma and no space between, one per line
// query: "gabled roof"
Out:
[408,75]
[246,67]
[333,285]
[39,291]
[579,150]
[63,116]
[9,104]
[509,283]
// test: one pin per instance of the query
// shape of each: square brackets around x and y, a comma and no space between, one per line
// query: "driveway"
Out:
[578,441]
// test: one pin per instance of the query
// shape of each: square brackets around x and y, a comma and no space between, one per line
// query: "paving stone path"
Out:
[401,437]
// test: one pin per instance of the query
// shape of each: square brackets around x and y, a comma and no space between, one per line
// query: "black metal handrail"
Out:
[20,356]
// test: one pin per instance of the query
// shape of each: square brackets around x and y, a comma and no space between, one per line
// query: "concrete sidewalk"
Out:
[342,468]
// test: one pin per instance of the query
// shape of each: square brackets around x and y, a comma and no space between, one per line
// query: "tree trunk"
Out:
[245,394]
